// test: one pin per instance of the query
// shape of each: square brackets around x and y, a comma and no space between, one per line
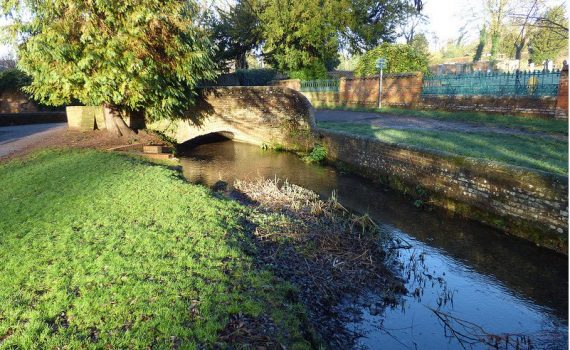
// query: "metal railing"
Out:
[320,85]
[537,83]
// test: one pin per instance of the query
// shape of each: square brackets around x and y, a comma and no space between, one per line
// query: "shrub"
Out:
[317,155]
[13,79]
[315,70]
[255,77]
[401,58]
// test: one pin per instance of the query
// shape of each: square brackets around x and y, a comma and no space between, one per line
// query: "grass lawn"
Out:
[101,250]
[532,152]
[555,126]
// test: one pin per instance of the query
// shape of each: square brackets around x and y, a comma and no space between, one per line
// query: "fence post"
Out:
[419,82]
[341,91]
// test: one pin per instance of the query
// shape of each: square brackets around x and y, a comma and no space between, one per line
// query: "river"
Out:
[465,280]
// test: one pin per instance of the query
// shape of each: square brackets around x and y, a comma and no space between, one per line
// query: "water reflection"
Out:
[502,283]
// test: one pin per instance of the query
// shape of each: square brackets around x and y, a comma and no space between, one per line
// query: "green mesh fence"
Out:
[320,85]
[537,83]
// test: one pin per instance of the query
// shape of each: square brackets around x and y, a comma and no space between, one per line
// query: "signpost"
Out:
[380,65]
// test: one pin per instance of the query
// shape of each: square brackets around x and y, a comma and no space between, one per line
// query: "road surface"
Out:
[19,137]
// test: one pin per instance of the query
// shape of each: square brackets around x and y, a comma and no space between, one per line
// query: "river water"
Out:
[465,280]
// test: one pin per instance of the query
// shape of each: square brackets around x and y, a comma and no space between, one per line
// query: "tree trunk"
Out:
[241,61]
[114,123]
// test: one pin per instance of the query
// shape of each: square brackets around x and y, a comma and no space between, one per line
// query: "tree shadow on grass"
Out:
[531,152]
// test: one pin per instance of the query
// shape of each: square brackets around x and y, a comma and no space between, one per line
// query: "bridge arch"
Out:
[257,115]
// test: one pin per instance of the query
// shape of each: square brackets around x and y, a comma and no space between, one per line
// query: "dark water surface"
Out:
[480,280]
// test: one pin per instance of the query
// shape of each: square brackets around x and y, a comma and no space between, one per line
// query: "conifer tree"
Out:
[131,56]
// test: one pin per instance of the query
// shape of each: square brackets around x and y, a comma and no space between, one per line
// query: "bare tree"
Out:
[529,16]
[410,25]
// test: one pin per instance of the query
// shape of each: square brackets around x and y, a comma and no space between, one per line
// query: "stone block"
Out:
[80,118]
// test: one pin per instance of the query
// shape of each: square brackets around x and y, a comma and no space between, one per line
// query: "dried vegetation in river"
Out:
[322,248]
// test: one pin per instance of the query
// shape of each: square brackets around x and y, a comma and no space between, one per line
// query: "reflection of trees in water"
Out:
[518,264]
[410,264]
[228,161]
[469,335]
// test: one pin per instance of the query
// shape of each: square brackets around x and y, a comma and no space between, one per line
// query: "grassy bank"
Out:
[554,126]
[100,250]
[538,153]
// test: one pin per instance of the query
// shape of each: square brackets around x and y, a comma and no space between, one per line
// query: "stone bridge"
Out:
[272,116]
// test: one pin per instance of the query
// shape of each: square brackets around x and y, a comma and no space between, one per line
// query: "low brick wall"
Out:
[522,202]
[8,119]
[405,90]
[402,90]
[294,84]
[397,90]
[16,101]
[525,106]
[16,108]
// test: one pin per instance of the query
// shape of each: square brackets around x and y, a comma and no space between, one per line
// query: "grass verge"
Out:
[542,154]
[101,250]
[554,126]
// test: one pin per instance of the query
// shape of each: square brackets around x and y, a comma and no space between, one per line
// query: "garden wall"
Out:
[402,90]
[522,202]
[524,106]
[9,119]
[405,90]
[15,101]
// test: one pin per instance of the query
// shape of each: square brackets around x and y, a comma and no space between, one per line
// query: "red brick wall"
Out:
[562,99]
[397,90]
[405,90]
[524,106]
[402,90]
[15,101]
[294,84]
[359,91]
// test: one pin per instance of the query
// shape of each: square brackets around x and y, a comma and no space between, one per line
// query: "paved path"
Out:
[16,138]
[392,121]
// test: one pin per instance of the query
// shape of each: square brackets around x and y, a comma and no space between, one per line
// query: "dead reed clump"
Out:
[328,252]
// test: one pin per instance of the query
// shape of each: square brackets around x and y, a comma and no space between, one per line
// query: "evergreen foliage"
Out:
[315,71]
[302,37]
[401,58]
[547,41]
[372,22]
[13,79]
[235,32]
[255,77]
[298,35]
[132,55]
[481,46]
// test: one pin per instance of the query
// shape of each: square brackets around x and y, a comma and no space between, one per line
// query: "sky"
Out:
[445,17]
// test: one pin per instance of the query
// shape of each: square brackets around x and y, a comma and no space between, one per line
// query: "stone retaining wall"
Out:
[523,202]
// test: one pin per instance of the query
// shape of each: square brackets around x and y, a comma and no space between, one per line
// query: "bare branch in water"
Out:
[469,334]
